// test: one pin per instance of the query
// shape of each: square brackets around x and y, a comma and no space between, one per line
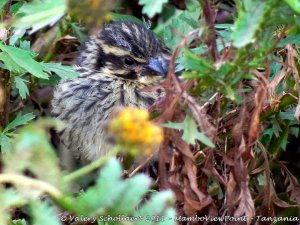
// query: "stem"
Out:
[92,166]
[57,196]
[5,78]
[4,97]
[6,11]
[32,183]
[210,21]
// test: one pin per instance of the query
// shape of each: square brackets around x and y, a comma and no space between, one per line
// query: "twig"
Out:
[137,169]
[7,11]
[209,18]
[209,100]
[5,79]
[4,97]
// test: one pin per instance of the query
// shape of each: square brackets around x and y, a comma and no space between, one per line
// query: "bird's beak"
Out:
[159,65]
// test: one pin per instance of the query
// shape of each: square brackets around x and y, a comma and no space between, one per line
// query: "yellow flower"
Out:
[133,130]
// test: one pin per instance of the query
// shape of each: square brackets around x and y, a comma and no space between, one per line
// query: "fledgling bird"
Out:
[115,66]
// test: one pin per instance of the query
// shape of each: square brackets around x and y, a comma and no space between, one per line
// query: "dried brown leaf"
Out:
[293,184]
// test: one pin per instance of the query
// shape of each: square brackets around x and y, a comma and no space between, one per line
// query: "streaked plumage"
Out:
[116,64]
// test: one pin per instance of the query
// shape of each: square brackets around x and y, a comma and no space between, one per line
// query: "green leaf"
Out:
[135,188]
[177,126]
[22,87]
[61,70]
[179,26]
[294,4]
[25,45]
[12,198]
[157,205]
[39,14]
[107,190]
[19,120]
[190,131]
[33,152]
[78,32]
[288,114]
[10,64]
[151,7]
[248,22]
[124,17]
[18,222]
[276,127]
[5,143]
[261,179]
[292,39]
[24,59]
[44,214]
[280,142]
[5,216]
[295,131]
[204,139]
[9,198]
[192,61]
[230,93]
[2,4]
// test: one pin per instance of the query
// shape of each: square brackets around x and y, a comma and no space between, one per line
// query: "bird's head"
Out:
[127,50]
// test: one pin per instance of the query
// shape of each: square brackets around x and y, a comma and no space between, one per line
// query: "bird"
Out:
[115,66]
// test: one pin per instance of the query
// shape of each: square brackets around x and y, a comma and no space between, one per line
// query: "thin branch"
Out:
[4,97]
[210,21]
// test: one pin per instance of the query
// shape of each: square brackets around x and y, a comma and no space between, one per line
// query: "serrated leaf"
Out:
[294,4]
[288,115]
[106,191]
[61,70]
[179,26]
[261,178]
[9,198]
[291,39]
[18,222]
[24,59]
[204,139]
[12,198]
[177,126]
[193,62]
[169,215]
[248,22]
[152,7]
[17,35]
[157,204]
[10,64]
[19,120]
[33,152]
[44,214]
[39,14]
[2,3]
[295,131]
[22,87]
[124,17]
[5,216]
[230,93]
[190,131]
[5,143]
[134,188]
[78,32]
[25,45]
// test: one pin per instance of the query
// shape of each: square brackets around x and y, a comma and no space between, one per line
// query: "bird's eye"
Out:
[129,61]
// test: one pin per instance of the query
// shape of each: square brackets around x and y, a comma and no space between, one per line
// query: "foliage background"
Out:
[232,121]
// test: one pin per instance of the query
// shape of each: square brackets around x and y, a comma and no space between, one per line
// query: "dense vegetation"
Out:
[231,121]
